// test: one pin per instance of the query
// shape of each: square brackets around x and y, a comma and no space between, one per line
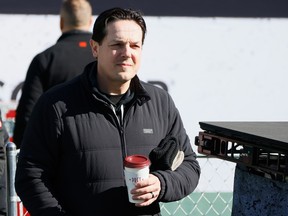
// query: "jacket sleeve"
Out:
[31,91]
[181,182]
[36,167]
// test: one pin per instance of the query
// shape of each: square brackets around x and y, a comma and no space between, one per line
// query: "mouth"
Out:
[124,64]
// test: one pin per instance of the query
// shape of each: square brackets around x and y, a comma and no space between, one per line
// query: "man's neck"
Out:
[80,28]
[115,88]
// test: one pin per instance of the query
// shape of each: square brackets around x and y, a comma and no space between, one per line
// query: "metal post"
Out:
[11,160]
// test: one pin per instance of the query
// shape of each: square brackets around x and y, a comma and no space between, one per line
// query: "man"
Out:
[59,63]
[4,138]
[71,158]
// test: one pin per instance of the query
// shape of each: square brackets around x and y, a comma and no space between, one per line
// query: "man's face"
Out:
[119,54]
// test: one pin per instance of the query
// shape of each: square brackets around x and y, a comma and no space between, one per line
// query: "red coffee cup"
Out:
[136,168]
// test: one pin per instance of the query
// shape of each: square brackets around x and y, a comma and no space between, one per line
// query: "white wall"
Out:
[219,68]
[215,68]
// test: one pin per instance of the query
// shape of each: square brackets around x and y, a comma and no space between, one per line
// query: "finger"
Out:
[152,195]
[146,196]
[142,190]
[147,202]
[150,181]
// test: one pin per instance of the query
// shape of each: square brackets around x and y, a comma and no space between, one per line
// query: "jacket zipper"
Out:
[121,128]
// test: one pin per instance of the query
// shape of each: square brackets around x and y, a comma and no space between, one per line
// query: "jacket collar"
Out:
[73,33]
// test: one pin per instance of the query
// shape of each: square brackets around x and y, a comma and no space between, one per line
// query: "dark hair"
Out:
[113,14]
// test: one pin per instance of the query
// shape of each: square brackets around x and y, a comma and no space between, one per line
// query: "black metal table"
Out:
[262,146]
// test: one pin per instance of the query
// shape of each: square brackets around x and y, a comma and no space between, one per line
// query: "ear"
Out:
[94,48]
[91,21]
[61,23]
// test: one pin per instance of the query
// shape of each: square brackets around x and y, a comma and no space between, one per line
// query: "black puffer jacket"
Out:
[72,153]
[57,64]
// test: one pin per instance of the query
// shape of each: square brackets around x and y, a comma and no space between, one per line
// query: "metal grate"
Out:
[200,204]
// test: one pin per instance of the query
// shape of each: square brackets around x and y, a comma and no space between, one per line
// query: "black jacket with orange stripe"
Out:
[57,64]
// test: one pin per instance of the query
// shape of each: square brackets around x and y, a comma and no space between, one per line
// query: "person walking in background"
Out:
[80,132]
[4,138]
[59,63]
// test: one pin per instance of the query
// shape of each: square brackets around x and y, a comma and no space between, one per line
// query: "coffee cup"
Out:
[136,168]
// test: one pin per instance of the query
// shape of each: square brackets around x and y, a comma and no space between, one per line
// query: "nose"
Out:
[126,51]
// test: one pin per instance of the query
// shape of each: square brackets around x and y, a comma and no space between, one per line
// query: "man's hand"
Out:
[147,190]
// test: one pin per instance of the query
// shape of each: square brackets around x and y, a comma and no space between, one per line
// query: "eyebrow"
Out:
[123,41]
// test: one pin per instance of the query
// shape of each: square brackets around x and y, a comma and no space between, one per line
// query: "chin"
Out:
[127,77]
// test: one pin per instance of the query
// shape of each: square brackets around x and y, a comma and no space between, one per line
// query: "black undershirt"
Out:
[114,98]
